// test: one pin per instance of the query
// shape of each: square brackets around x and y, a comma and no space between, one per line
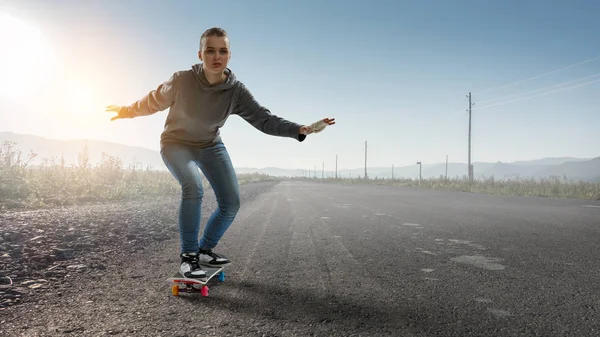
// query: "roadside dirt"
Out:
[50,257]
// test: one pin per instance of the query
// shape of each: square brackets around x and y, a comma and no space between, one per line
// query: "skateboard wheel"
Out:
[222,276]
[204,291]
[175,290]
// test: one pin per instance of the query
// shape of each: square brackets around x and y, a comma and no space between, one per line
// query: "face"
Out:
[215,54]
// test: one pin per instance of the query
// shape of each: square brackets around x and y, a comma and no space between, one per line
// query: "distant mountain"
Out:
[505,170]
[70,149]
[548,161]
[580,169]
[586,169]
[575,170]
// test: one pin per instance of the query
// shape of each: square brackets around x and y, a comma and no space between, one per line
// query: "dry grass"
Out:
[54,183]
[556,187]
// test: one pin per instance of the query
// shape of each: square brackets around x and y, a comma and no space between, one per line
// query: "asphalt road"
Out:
[315,259]
[376,260]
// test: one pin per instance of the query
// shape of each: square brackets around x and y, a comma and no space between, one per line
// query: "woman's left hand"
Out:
[317,126]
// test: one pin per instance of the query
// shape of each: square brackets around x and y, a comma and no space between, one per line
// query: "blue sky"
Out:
[393,73]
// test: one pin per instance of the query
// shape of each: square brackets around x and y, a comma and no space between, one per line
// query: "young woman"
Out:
[200,100]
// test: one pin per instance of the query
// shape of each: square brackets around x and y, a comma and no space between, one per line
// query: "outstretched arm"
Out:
[156,100]
[262,119]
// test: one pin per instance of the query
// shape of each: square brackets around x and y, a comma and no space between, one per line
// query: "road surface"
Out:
[314,259]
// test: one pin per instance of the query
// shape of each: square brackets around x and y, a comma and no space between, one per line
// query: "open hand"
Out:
[317,126]
[120,110]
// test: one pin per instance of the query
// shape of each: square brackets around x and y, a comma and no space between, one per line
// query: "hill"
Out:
[69,150]
[586,169]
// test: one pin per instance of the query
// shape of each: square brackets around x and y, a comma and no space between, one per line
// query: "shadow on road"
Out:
[348,311]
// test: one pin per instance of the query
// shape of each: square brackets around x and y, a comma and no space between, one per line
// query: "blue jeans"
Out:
[184,163]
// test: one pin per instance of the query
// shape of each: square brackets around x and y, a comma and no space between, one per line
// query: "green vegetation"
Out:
[54,183]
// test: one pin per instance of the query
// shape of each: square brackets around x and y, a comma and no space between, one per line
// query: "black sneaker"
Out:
[211,259]
[190,268]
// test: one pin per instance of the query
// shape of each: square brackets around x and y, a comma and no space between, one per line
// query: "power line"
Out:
[544,94]
[538,76]
[540,89]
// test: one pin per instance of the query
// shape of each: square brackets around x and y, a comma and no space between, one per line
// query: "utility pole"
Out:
[365,159]
[470,166]
[336,166]
[323,171]
[392,171]
[315,172]
[420,166]
[446,167]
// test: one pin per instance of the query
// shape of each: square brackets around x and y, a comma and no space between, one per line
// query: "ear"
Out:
[200,54]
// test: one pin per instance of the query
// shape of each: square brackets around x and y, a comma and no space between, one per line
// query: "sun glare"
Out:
[25,60]
[76,111]
[81,102]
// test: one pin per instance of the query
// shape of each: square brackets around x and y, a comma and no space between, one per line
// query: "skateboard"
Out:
[185,284]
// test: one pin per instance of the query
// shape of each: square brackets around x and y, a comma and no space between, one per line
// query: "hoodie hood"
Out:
[200,76]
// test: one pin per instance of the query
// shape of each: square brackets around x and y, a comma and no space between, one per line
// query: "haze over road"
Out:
[317,259]
[376,259]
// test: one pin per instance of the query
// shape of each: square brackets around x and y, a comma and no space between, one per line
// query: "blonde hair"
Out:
[214,31]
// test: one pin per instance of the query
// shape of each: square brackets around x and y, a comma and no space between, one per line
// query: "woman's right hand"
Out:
[120,110]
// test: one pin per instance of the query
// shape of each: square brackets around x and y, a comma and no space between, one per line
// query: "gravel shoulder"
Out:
[55,260]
